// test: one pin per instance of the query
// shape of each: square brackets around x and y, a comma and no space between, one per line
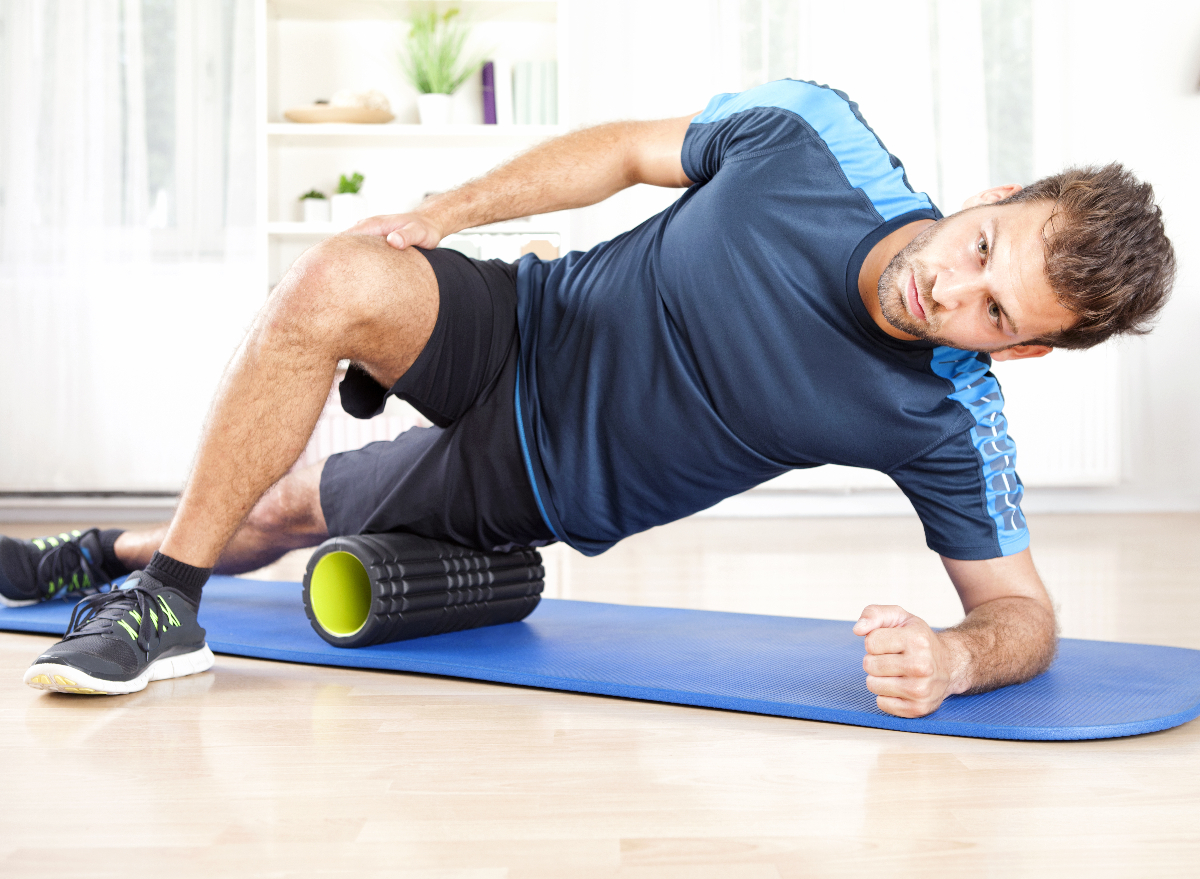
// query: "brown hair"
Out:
[1109,258]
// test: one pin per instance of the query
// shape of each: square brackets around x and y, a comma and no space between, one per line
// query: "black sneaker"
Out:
[71,564]
[119,641]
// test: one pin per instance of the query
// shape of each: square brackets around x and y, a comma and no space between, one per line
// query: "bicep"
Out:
[656,156]
[1013,576]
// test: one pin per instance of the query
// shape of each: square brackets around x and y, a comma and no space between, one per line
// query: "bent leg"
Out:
[350,297]
[289,516]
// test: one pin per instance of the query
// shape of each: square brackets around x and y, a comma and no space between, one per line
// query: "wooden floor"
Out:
[261,768]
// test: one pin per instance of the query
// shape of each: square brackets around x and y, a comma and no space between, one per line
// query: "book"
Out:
[549,92]
[535,92]
[488,75]
[503,84]
[522,74]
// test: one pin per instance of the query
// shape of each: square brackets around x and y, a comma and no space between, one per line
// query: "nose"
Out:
[952,291]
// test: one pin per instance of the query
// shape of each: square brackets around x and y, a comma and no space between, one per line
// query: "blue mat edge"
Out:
[772,709]
[928,725]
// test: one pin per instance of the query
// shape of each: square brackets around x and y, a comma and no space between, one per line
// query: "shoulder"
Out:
[781,114]
[804,99]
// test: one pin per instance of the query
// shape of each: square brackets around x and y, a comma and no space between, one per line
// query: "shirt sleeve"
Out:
[969,506]
[784,114]
[752,123]
[966,489]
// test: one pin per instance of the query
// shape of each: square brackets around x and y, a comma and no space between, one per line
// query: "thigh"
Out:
[465,352]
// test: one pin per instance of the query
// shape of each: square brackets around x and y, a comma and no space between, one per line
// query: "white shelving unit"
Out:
[309,49]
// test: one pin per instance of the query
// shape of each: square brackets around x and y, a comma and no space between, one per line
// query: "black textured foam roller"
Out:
[375,588]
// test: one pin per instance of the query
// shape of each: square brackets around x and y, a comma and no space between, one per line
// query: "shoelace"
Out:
[68,560]
[104,610]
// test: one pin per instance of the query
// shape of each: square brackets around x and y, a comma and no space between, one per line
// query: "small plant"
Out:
[432,59]
[350,184]
[312,193]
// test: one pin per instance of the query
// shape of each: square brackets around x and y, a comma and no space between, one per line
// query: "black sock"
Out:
[184,578]
[109,563]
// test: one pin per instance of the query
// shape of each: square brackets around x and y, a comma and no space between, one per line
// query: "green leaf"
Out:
[433,58]
[350,184]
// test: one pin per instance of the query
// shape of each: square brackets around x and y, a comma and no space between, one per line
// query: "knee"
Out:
[354,297]
[320,286]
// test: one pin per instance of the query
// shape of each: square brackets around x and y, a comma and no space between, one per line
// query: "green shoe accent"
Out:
[340,592]
[174,620]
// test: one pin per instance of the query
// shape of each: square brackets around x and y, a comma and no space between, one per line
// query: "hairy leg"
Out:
[350,297]
[288,517]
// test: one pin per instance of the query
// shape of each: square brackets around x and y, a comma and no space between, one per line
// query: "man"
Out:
[800,304]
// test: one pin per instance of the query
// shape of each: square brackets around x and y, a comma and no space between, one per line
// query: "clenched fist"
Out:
[910,667]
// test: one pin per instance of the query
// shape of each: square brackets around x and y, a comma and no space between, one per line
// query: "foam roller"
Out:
[376,588]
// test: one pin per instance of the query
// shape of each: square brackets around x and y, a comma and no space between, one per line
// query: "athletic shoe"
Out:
[51,567]
[119,641]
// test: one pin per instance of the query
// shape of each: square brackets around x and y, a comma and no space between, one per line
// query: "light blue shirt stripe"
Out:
[980,393]
[863,159]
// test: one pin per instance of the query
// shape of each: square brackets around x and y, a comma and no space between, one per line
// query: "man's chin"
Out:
[900,320]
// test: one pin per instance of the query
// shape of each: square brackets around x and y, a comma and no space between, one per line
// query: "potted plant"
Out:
[316,206]
[433,62]
[348,204]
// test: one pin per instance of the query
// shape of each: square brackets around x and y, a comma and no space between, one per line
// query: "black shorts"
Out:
[464,479]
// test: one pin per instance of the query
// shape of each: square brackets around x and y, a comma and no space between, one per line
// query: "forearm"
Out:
[1003,641]
[575,170]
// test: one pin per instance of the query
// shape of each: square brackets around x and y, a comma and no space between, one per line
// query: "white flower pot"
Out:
[434,109]
[316,210]
[347,208]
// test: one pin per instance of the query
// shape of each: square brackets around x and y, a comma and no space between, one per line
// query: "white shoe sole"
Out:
[64,679]
[24,602]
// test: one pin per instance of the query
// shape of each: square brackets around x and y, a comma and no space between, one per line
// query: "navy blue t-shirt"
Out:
[724,342]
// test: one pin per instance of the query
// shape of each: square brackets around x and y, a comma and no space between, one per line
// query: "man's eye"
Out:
[994,313]
[982,247]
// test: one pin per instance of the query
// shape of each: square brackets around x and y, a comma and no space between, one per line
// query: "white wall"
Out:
[1133,74]
[1119,82]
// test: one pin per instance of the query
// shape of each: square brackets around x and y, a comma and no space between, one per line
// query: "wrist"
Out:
[959,660]
[447,213]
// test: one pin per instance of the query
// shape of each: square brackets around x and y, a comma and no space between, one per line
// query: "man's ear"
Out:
[993,195]
[1021,352]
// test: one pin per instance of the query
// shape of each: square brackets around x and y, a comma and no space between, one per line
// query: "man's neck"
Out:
[872,270]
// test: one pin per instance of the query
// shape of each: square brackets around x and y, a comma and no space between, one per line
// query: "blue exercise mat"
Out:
[810,669]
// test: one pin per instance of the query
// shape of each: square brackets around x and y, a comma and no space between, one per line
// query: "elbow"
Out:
[1038,644]
[1046,642]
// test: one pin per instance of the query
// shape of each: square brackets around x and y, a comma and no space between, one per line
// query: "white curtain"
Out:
[948,83]
[127,266]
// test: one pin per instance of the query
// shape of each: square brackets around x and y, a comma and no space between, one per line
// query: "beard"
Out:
[894,282]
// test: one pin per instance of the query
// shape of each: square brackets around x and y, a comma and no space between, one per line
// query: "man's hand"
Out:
[910,668]
[1007,637]
[401,230]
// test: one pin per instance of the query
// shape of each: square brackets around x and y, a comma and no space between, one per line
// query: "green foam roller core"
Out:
[340,593]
